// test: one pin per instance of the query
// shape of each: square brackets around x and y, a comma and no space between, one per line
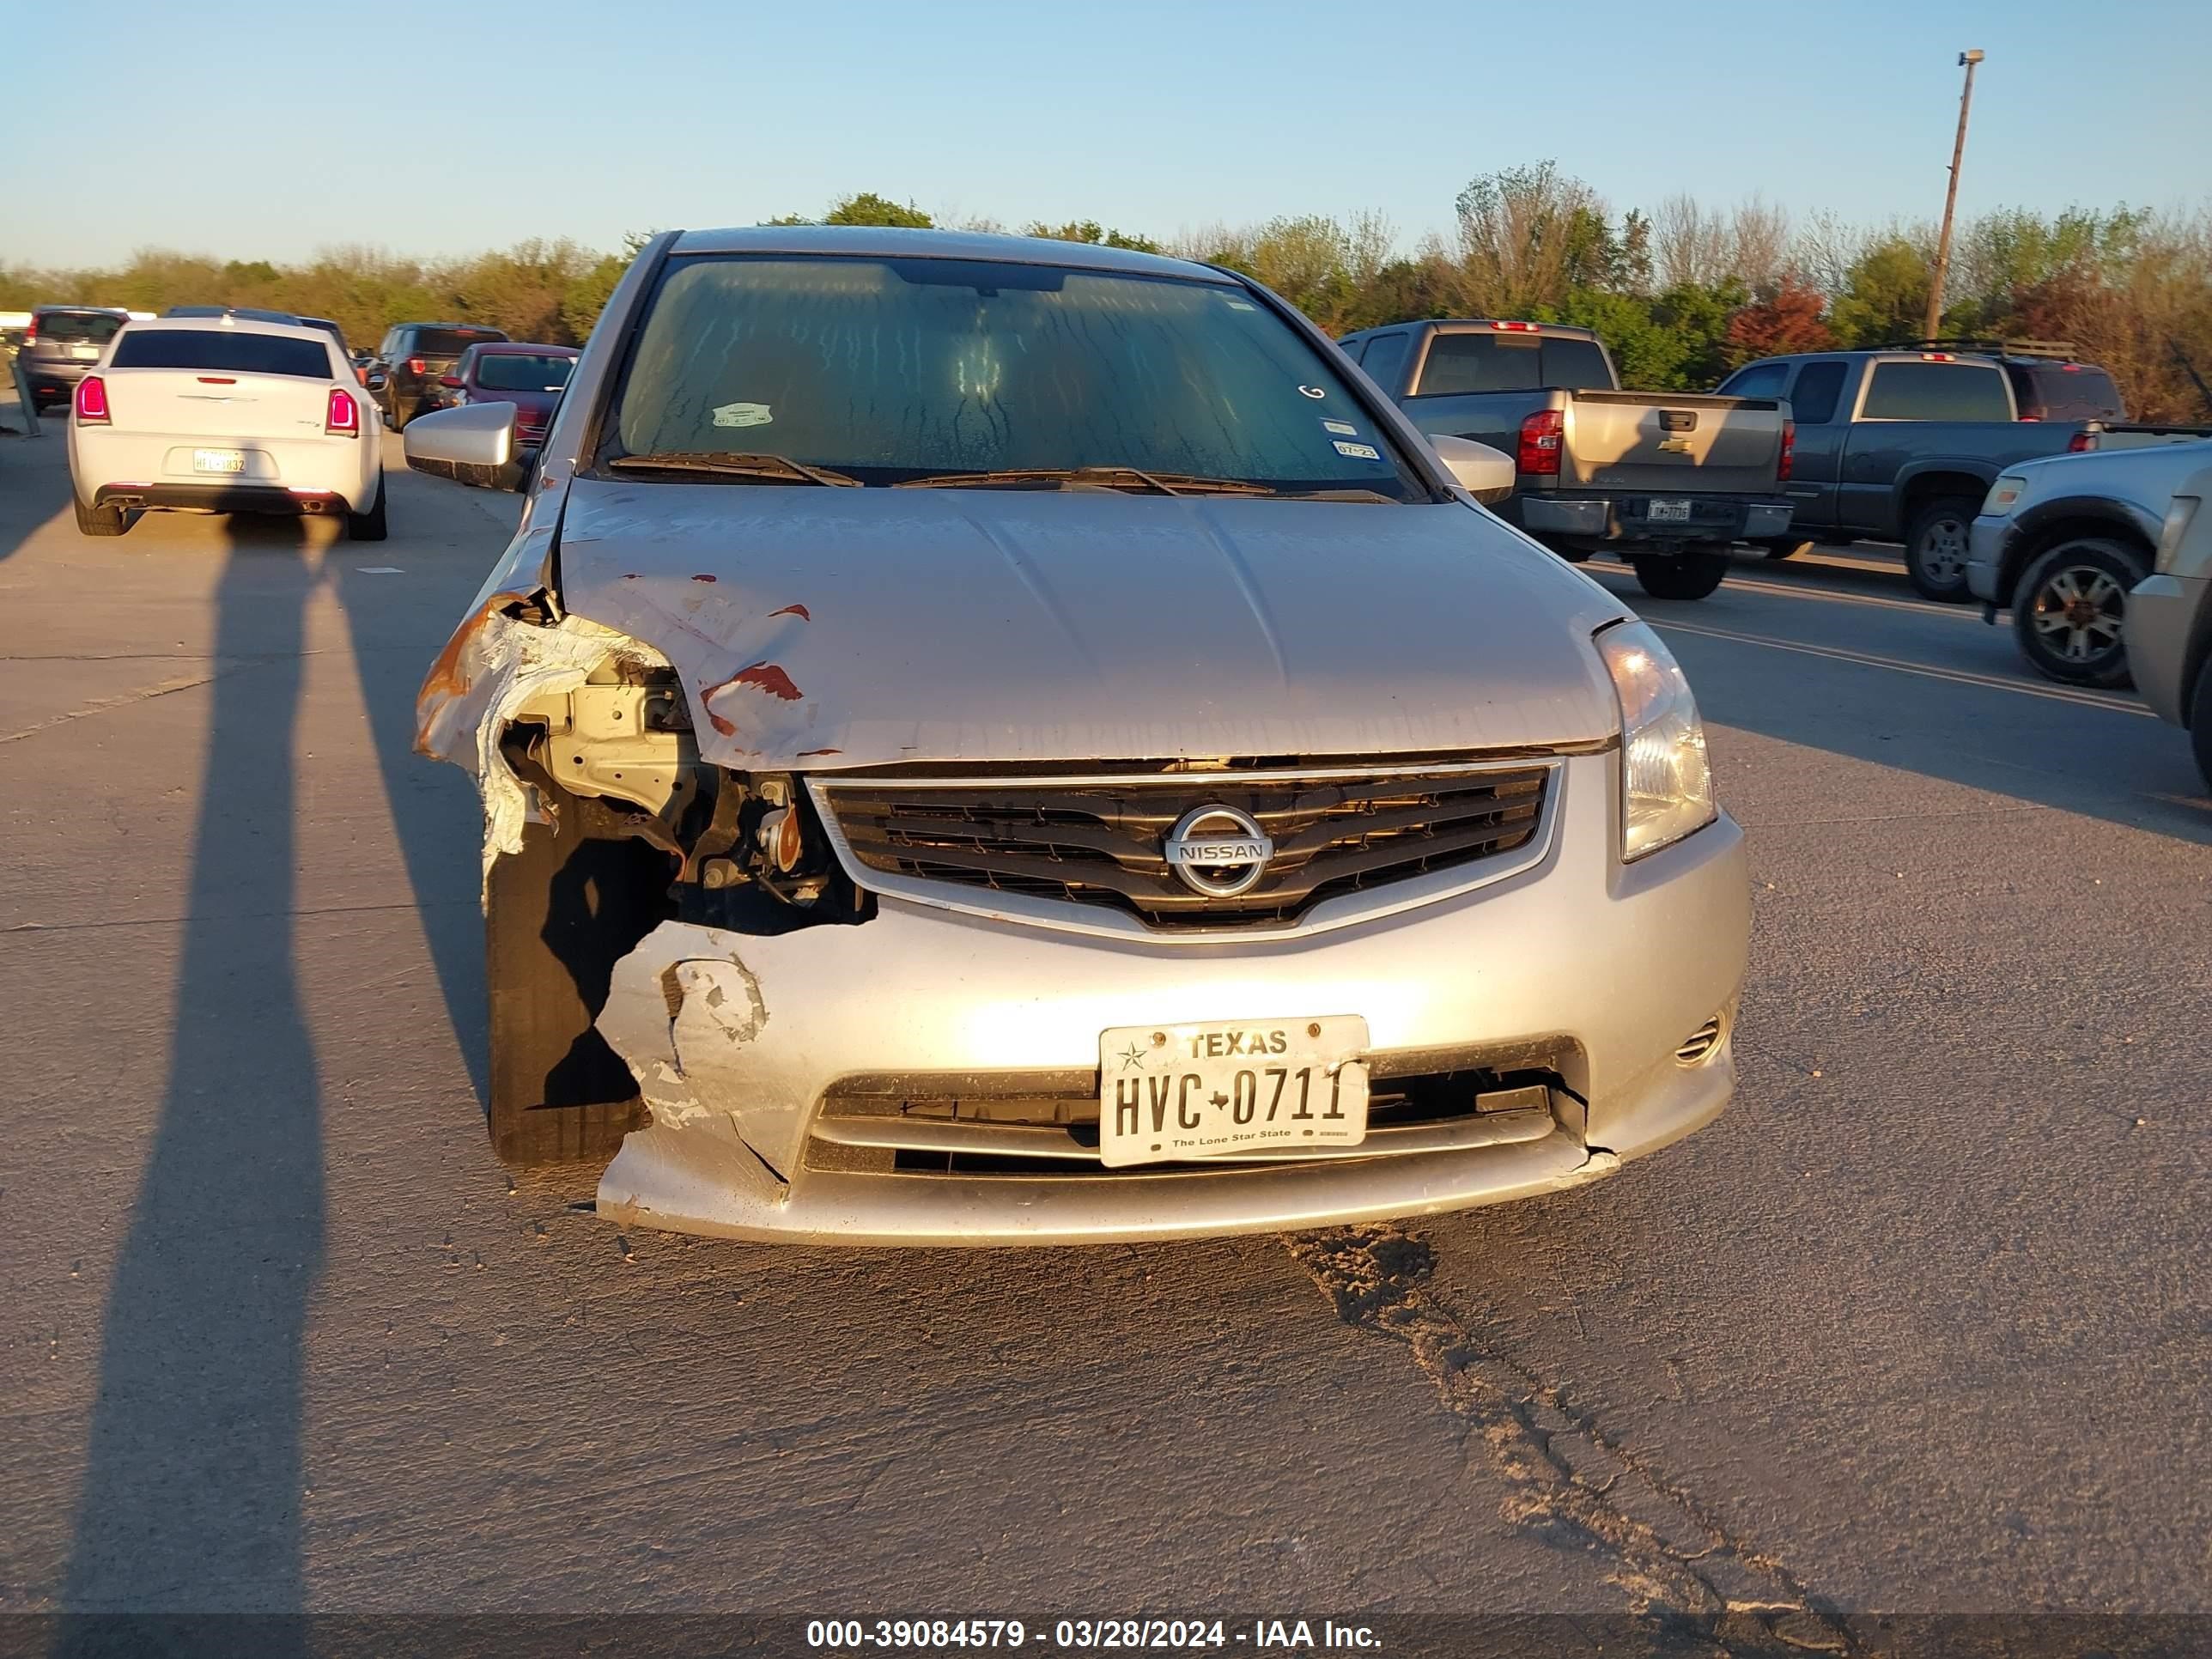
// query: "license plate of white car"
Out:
[1231,1089]
[218,461]
[1676,512]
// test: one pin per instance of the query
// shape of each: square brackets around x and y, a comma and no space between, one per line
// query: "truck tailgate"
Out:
[1665,440]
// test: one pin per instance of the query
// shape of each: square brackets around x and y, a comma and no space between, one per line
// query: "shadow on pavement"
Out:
[34,476]
[1947,700]
[435,813]
[193,1480]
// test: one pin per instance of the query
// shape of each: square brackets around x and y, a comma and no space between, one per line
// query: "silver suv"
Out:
[985,739]
[61,346]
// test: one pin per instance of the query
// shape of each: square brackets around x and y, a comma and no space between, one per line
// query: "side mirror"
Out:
[473,443]
[374,379]
[1485,473]
[452,382]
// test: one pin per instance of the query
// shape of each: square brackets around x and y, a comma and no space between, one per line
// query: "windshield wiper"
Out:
[728,464]
[1095,477]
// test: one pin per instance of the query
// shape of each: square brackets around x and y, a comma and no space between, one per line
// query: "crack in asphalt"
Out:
[144,694]
[1566,1481]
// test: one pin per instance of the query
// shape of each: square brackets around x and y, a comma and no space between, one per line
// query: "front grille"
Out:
[1056,1134]
[1104,841]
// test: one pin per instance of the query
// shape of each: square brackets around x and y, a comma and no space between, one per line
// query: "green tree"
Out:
[866,208]
[869,208]
[1091,231]
[1886,296]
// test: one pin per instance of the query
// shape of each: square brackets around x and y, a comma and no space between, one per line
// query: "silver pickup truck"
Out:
[1668,479]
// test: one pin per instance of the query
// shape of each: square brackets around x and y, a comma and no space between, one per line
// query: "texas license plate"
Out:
[1231,1089]
[218,461]
[1669,512]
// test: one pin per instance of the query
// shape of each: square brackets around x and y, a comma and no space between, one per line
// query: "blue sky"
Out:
[261,130]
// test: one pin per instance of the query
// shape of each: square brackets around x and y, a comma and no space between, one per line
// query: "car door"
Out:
[1818,405]
[1916,411]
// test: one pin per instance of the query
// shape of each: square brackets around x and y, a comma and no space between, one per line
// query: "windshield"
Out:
[890,370]
[78,327]
[503,372]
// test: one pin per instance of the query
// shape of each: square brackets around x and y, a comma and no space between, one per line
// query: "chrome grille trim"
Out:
[1387,898]
[982,1138]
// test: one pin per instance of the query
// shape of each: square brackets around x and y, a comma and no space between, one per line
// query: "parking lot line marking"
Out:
[1956,676]
[1745,585]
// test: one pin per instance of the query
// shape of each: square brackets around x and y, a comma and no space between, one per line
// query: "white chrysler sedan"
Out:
[224,415]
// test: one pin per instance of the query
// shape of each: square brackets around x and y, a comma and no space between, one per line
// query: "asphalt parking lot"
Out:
[1924,1323]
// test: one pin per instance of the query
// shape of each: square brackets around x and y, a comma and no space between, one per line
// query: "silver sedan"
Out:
[992,740]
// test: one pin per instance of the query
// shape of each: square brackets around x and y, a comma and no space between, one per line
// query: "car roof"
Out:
[485,327]
[887,242]
[99,311]
[521,348]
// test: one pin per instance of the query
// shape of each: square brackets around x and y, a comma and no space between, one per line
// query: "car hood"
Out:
[2145,475]
[824,628]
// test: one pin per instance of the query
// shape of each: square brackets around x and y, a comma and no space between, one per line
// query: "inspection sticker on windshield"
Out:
[1358,452]
[1245,1088]
[743,415]
[1342,428]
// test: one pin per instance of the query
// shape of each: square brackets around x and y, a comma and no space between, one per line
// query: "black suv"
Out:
[62,344]
[415,356]
[2047,383]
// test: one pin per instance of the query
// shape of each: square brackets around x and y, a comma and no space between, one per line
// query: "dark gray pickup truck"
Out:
[1668,479]
[1902,445]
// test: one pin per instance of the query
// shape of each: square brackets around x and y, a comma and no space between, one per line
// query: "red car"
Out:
[531,377]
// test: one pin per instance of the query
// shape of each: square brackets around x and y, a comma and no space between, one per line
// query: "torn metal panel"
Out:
[491,668]
[877,626]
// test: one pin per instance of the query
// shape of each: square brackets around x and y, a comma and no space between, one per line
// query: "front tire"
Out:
[1689,575]
[100,520]
[558,916]
[2071,607]
[1935,548]
[372,525]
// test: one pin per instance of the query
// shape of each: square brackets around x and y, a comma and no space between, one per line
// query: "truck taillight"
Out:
[1541,436]
[343,420]
[1788,453]
[92,401]
[416,366]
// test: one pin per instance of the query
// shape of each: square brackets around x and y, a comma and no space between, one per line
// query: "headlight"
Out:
[2170,535]
[2002,493]
[1666,783]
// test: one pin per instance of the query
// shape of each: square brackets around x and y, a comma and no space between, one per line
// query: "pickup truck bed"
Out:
[1667,478]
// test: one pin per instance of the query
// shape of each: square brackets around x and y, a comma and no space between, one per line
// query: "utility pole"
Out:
[1934,320]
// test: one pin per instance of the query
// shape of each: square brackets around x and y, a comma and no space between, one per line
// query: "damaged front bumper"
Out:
[820,1083]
